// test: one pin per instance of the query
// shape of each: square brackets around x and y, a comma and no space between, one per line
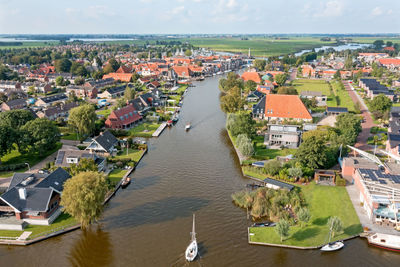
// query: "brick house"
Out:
[123,118]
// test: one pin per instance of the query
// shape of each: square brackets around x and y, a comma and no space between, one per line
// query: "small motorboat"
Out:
[333,246]
[385,241]
[169,123]
[188,126]
[192,249]
[126,182]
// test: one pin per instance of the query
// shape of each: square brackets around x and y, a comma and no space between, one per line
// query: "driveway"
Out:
[368,122]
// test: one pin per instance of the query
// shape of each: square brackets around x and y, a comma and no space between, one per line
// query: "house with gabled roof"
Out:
[251,76]
[33,198]
[281,107]
[123,118]
[104,144]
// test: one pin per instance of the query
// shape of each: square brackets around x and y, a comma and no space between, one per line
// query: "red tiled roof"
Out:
[389,48]
[124,77]
[389,61]
[124,69]
[128,113]
[182,71]
[251,76]
[286,106]
[264,89]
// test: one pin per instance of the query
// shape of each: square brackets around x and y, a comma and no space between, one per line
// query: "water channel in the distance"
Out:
[148,224]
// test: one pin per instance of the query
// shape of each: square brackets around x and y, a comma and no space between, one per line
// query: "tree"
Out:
[241,124]
[79,81]
[83,196]
[272,167]
[6,135]
[337,75]
[232,102]
[259,64]
[249,86]
[60,81]
[40,135]
[304,215]
[188,52]
[380,103]
[284,90]
[378,44]
[311,153]
[348,64]
[83,119]
[349,126]
[84,164]
[335,225]
[280,79]
[295,172]
[245,145]
[129,93]
[282,229]
[62,65]
[389,43]
[114,64]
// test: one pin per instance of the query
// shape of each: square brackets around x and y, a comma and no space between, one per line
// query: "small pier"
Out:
[160,129]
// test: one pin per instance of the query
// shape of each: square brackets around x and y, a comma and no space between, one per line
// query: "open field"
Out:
[259,46]
[32,44]
[144,130]
[322,202]
[311,85]
[343,97]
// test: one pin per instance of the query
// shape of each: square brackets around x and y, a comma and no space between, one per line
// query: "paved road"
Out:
[368,122]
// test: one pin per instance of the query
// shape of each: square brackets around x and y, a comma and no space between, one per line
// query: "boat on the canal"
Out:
[126,182]
[192,249]
[188,126]
[332,246]
[169,123]
[385,241]
[175,118]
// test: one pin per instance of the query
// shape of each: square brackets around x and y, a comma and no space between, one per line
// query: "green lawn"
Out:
[63,221]
[261,153]
[344,99]
[116,175]
[259,46]
[323,202]
[14,157]
[144,130]
[104,112]
[133,154]
[317,86]
[33,44]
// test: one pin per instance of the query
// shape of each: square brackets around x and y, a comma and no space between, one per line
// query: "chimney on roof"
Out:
[22,193]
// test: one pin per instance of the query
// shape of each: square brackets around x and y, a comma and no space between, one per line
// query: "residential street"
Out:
[368,122]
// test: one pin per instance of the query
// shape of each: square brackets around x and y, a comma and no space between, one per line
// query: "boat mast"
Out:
[193,232]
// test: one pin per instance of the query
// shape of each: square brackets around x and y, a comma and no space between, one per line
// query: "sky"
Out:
[198,16]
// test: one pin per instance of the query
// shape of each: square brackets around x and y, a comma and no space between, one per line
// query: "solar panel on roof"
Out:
[382,181]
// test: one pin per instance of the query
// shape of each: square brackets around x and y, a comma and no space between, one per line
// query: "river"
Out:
[149,223]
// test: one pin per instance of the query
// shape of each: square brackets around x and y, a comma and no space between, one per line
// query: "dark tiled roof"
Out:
[55,180]
[36,199]
[107,140]
[53,98]
[259,108]
[18,178]
[16,102]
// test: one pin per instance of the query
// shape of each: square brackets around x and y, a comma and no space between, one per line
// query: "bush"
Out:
[12,167]
[272,167]
[339,181]
[245,145]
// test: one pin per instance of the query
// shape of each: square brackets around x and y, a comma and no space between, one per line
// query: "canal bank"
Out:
[183,173]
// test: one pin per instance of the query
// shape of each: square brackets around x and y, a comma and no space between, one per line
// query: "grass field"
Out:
[322,202]
[116,175]
[144,130]
[14,157]
[133,154]
[104,112]
[343,97]
[32,44]
[258,46]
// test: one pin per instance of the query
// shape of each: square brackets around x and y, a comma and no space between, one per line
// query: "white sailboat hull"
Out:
[191,251]
[333,246]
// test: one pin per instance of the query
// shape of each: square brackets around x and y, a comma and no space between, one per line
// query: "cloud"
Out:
[331,9]
[377,11]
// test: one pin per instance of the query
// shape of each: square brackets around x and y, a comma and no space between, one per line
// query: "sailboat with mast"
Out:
[192,249]
[334,245]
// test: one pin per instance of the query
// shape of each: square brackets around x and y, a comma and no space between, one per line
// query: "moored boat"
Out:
[385,241]
[192,249]
[188,126]
[333,246]
[126,182]
[169,123]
